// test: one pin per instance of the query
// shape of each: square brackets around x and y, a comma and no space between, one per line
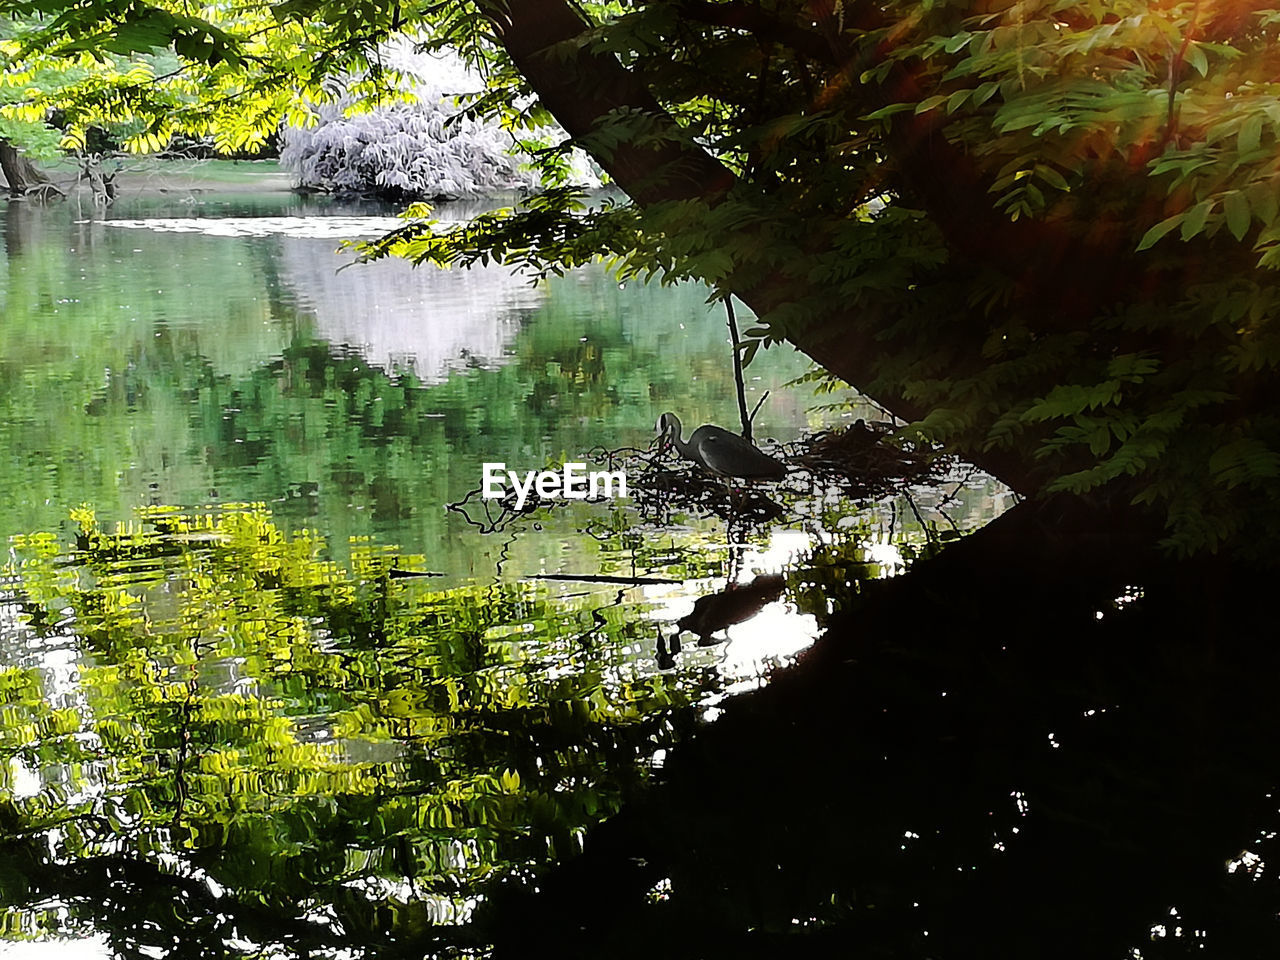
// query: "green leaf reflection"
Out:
[208,726]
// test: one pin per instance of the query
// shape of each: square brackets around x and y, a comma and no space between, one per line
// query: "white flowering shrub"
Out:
[401,150]
[421,150]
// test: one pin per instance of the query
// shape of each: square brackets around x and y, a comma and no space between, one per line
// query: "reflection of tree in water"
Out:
[427,321]
[274,749]
[220,389]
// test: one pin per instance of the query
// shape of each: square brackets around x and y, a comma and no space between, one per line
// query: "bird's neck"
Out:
[684,448]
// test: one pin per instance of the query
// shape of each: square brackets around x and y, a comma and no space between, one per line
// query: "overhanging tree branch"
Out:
[583,88]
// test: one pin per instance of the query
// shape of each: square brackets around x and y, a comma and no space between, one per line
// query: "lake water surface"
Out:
[261,692]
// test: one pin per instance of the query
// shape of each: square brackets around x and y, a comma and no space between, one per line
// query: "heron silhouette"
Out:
[719,452]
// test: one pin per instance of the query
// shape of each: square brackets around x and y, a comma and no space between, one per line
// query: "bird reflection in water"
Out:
[716,612]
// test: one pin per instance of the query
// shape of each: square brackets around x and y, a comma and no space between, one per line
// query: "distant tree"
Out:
[1044,232]
[50,105]
[18,137]
[423,149]
[399,151]
[22,175]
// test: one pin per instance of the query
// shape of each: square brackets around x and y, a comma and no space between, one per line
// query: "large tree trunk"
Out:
[23,176]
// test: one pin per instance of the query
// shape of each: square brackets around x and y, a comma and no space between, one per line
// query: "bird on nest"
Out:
[719,452]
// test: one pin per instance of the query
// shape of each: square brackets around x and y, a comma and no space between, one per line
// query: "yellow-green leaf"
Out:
[1250,135]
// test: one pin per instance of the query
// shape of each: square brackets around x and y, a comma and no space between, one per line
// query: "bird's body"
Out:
[720,452]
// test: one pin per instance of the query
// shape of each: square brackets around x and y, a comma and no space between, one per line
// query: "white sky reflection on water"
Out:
[432,321]
[316,228]
[92,948]
[427,320]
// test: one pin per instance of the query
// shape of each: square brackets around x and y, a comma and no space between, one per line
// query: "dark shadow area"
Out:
[1046,742]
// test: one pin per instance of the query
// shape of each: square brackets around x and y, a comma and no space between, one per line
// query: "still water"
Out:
[261,692]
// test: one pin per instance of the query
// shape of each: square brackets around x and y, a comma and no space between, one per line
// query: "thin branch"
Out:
[737,369]
[586,578]
[1175,70]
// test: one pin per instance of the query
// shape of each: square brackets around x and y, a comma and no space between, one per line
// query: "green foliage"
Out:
[152,70]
